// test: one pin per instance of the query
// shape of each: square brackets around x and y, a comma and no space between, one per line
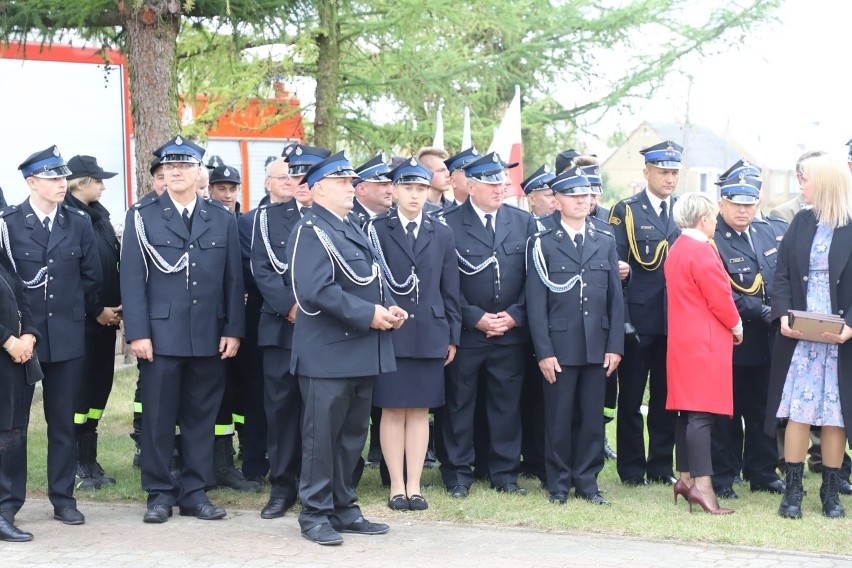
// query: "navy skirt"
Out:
[416,383]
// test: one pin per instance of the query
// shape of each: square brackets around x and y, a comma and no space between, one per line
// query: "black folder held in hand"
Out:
[813,325]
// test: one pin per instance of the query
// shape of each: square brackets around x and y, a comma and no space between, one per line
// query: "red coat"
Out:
[701,314]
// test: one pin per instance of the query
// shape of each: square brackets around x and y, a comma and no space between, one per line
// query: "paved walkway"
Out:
[115,536]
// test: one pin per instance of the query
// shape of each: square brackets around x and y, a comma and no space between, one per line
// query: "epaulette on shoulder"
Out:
[384,216]
[774,219]
[218,204]
[146,200]
[270,204]
[8,210]
[542,232]
[74,210]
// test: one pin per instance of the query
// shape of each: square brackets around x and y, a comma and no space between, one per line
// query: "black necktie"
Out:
[187,220]
[46,224]
[747,239]
[578,241]
[303,210]
[664,214]
[489,227]
[409,229]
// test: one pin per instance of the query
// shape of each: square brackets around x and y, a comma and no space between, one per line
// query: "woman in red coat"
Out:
[703,326]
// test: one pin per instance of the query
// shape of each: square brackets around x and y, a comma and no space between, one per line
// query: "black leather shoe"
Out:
[276,507]
[594,498]
[11,533]
[777,487]
[417,503]
[158,514]
[663,479]
[513,488]
[458,492]
[363,526]
[634,481]
[323,534]
[399,503]
[8,515]
[204,512]
[558,498]
[726,492]
[69,515]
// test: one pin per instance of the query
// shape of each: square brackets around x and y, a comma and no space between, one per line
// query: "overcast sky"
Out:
[788,85]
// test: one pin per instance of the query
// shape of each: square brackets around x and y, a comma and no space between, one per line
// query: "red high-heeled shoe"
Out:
[682,489]
[695,496]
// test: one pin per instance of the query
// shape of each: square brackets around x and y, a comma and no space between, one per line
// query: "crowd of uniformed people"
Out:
[365,302]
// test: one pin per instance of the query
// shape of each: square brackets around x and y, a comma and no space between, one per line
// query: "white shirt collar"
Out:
[405,221]
[655,201]
[571,231]
[372,214]
[41,214]
[695,234]
[190,207]
[481,214]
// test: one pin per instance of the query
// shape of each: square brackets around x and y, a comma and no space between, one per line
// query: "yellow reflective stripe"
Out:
[137,407]
[609,412]
[96,413]
[238,418]
[223,429]
[80,418]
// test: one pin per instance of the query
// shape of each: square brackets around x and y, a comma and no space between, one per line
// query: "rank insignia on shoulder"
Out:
[614,221]
[735,260]
[559,234]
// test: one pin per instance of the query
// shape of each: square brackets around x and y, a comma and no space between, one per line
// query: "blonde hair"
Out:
[432,151]
[78,184]
[832,189]
[691,207]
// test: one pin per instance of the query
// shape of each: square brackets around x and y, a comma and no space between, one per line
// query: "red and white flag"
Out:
[507,143]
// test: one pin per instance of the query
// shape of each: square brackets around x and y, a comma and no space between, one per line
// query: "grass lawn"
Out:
[643,512]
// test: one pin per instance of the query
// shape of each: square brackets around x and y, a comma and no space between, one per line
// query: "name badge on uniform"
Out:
[736,260]
[770,251]
[647,227]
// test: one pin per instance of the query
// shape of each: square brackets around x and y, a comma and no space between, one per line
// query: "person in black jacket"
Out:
[85,187]
[18,336]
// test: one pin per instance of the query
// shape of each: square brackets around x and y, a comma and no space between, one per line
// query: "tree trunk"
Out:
[153,97]
[328,75]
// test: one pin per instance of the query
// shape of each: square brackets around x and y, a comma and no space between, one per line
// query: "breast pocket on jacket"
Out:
[597,273]
[70,256]
[214,250]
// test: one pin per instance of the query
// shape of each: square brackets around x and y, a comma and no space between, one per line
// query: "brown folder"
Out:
[812,325]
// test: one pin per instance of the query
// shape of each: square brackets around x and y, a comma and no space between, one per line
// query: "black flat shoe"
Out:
[204,512]
[69,515]
[558,497]
[276,507]
[157,514]
[11,533]
[417,503]
[594,498]
[726,492]
[663,479]
[512,488]
[399,503]
[634,482]
[323,534]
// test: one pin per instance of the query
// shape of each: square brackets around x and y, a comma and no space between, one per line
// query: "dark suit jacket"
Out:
[790,293]
[743,265]
[184,315]
[480,292]
[73,276]
[646,291]
[273,329]
[333,337]
[435,321]
[557,320]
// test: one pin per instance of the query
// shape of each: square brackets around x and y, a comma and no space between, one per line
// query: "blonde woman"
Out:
[814,273]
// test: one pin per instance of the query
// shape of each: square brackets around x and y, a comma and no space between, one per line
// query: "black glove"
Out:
[631,332]
[766,314]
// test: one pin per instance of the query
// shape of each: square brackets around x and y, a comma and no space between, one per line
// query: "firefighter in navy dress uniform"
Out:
[52,247]
[576,313]
[340,343]
[748,247]
[184,315]
[643,231]
[418,259]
